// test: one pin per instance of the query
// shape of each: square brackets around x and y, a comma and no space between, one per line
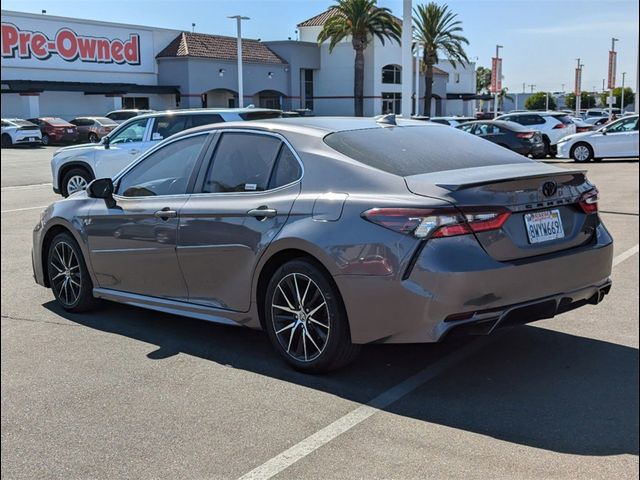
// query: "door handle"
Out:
[263,212]
[134,151]
[166,213]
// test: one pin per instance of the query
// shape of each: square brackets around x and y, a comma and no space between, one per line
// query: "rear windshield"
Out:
[23,123]
[59,122]
[104,121]
[260,115]
[564,119]
[413,150]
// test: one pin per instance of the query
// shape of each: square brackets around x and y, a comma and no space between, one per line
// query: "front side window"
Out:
[466,128]
[164,172]
[391,74]
[626,125]
[133,132]
[242,162]
[205,119]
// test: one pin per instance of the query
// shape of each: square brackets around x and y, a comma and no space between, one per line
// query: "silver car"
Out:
[331,233]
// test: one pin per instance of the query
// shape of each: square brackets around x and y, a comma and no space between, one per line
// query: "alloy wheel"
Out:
[76,183]
[300,317]
[66,278]
[581,153]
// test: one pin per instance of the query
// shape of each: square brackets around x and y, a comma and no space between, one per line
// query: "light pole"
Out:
[532,86]
[612,73]
[239,19]
[546,105]
[578,87]
[407,22]
[416,99]
[622,94]
[498,80]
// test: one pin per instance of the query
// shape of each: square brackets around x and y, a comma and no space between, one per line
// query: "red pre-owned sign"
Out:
[69,46]
[578,87]
[611,84]
[496,75]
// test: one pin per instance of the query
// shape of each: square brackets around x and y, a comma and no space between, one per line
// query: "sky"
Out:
[542,39]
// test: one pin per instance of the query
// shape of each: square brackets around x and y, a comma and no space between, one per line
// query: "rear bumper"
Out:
[455,278]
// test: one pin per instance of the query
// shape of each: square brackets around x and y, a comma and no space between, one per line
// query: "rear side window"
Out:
[166,125]
[242,163]
[260,115]
[287,169]
[409,151]
[199,120]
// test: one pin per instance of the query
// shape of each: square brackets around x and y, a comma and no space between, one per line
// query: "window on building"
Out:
[391,102]
[392,74]
[308,89]
[141,103]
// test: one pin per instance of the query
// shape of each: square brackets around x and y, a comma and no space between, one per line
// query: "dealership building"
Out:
[66,67]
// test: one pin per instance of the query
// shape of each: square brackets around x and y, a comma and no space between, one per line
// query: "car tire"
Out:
[581,152]
[45,140]
[313,344]
[74,180]
[68,275]
[6,140]
[93,138]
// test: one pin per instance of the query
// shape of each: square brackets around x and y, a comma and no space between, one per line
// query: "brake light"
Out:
[438,222]
[527,135]
[559,125]
[589,201]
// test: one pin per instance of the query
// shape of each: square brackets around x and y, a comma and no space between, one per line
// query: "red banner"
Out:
[611,84]
[578,87]
[496,75]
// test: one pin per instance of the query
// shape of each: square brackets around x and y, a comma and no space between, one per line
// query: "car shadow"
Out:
[530,386]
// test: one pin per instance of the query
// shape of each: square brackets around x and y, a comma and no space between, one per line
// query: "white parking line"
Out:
[287,458]
[24,209]
[626,254]
[345,423]
[27,187]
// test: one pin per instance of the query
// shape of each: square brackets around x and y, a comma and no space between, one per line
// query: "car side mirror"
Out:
[106,141]
[102,188]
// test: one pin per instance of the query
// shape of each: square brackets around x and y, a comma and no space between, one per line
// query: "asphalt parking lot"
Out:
[127,393]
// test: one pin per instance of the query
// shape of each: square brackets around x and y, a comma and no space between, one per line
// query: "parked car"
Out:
[552,125]
[451,121]
[488,115]
[615,140]
[581,125]
[16,131]
[600,112]
[522,140]
[55,130]
[596,121]
[120,116]
[321,230]
[92,129]
[74,167]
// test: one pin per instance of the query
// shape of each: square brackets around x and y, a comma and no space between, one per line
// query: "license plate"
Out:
[69,130]
[544,226]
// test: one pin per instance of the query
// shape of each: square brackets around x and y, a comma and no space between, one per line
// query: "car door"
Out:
[125,145]
[132,244]
[246,191]
[619,139]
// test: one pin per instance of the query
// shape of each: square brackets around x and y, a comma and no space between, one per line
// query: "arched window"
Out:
[391,74]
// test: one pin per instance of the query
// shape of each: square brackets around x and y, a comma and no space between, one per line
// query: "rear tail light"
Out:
[527,135]
[589,201]
[438,222]
[559,125]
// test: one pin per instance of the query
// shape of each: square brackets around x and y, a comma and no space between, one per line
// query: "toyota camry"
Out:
[331,233]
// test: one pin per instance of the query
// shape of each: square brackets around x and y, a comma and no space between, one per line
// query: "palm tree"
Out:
[439,32]
[504,94]
[361,20]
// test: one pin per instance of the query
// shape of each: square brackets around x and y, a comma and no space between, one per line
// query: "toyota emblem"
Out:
[549,189]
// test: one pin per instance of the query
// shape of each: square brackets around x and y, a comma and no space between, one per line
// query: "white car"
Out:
[614,140]
[74,167]
[16,131]
[553,125]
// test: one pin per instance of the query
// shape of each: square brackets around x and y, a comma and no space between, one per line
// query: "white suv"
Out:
[74,167]
[553,125]
[16,131]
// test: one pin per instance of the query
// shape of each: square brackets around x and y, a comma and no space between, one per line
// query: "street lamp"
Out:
[239,19]
[622,99]
[612,73]
[416,102]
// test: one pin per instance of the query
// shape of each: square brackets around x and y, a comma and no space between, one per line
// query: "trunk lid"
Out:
[523,189]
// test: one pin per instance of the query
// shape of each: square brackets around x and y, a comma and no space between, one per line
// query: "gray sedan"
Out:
[330,233]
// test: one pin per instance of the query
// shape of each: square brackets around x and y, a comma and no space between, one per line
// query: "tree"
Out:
[439,32]
[361,20]
[587,100]
[617,93]
[504,94]
[538,101]
[483,79]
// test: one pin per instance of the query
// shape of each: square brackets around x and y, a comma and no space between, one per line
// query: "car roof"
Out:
[203,111]
[314,126]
